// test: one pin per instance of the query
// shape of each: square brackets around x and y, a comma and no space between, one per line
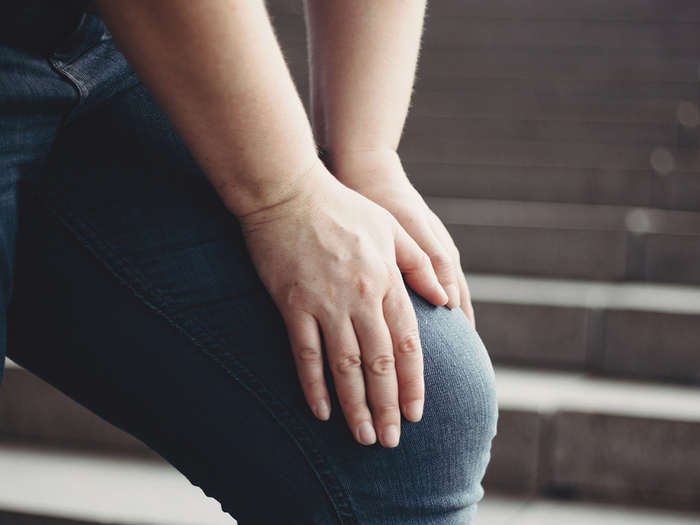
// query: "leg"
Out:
[137,298]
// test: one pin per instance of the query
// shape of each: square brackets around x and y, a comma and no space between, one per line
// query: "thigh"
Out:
[136,296]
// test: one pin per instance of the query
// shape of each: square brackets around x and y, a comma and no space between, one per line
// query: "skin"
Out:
[332,249]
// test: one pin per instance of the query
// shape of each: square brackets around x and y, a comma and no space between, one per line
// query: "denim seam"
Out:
[81,94]
[324,471]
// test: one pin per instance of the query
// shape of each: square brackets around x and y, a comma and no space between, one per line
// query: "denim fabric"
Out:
[135,295]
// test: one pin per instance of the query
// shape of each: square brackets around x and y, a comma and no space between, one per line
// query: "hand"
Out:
[332,259]
[379,176]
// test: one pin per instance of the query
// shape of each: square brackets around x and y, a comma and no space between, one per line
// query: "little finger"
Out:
[306,345]
[466,297]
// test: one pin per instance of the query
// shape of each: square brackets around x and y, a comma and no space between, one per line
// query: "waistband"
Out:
[45,27]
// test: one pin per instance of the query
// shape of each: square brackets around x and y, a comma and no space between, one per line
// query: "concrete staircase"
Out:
[598,388]
[559,143]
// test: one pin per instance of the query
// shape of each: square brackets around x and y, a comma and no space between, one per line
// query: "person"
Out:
[293,335]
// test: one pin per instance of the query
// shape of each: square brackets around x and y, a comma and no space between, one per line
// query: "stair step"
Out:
[444,61]
[612,243]
[32,411]
[620,10]
[480,212]
[594,10]
[639,188]
[577,435]
[623,36]
[494,509]
[634,330]
[642,297]
[622,133]
[562,88]
[501,509]
[457,150]
[538,35]
[46,487]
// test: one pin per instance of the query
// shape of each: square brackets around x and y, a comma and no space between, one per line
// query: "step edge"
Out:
[551,392]
[591,295]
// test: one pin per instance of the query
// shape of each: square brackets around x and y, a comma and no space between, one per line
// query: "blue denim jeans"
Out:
[134,294]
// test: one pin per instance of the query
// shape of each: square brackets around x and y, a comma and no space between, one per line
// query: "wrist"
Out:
[250,188]
[291,198]
[366,167]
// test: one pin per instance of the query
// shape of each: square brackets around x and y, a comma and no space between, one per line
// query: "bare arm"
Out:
[363,61]
[328,256]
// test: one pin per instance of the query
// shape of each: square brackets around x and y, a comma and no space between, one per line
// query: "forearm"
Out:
[363,59]
[216,70]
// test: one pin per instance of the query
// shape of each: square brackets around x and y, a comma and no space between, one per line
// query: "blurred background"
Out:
[558,140]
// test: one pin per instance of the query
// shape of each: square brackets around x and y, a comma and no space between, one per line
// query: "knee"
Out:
[460,383]
[461,408]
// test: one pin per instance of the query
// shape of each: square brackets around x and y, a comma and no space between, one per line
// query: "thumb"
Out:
[417,269]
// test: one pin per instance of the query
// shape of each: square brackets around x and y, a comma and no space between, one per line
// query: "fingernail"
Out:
[390,436]
[322,410]
[414,411]
[453,294]
[367,434]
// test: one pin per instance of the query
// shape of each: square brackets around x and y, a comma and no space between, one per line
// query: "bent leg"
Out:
[135,295]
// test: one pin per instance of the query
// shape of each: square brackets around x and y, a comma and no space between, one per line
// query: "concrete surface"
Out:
[94,489]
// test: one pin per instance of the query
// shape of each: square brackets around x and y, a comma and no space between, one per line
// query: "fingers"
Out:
[377,363]
[401,320]
[466,300]
[306,346]
[345,361]
[444,266]
[418,269]
[379,367]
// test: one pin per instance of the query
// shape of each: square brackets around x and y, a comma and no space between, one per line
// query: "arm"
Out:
[328,256]
[363,61]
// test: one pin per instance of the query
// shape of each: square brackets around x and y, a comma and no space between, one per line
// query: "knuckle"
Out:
[315,385]
[348,363]
[366,287]
[382,365]
[308,354]
[296,298]
[409,345]
[354,407]
[413,383]
[385,409]
[442,262]
[394,277]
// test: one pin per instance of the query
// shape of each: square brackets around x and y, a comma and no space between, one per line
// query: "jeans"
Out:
[133,293]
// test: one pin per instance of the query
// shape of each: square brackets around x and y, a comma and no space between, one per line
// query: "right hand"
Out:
[333,260]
